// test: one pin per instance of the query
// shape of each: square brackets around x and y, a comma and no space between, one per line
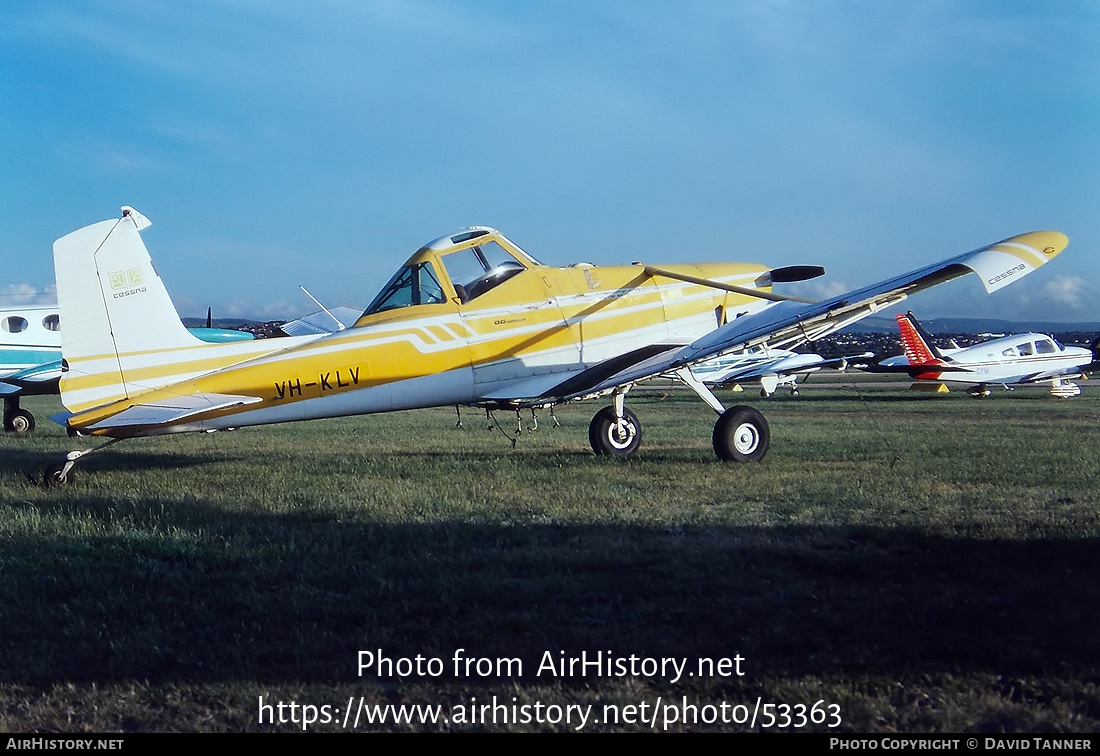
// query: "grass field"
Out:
[922,563]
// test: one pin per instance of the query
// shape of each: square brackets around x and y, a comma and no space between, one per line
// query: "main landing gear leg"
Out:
[741,433]
[16,420]
[61,473]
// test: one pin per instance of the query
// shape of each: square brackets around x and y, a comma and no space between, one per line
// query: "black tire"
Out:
[741,435]
[19,421]
[605,436]
[53,477]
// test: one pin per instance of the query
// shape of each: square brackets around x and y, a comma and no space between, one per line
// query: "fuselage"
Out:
[29,336]
[468,319]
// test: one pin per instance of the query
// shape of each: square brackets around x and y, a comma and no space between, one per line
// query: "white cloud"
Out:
[17,294]
[1072,292]
[817,290]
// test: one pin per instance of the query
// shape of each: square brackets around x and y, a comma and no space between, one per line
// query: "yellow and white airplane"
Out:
[469,319]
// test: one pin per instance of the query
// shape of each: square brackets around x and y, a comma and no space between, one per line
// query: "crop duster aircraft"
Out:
[469,319]
[1021,359]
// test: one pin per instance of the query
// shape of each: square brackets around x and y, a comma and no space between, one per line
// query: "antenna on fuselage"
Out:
[339,326]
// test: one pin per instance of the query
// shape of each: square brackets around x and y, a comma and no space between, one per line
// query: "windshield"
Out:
[412,285]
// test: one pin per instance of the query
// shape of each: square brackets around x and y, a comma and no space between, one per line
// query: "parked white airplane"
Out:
[772,367]
[1010,360]
[30,357]
[30,360]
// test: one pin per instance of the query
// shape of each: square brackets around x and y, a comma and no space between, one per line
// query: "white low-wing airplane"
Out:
[773,368]
[1025,358]
[469,319]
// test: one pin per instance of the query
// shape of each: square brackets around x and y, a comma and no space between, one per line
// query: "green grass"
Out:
[923,562]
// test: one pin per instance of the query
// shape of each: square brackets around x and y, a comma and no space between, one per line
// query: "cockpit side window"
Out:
[496,256]
[1045,346]
[464,267]
[479,269]
[430,290]
[412,285]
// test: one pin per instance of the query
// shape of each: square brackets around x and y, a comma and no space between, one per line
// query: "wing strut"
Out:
[747,291]
[688,378]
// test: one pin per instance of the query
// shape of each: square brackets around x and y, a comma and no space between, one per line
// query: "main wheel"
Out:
[609,435]
[55,475]
[741,435]
[19,421]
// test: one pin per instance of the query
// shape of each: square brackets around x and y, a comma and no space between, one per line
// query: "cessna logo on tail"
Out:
[127,279]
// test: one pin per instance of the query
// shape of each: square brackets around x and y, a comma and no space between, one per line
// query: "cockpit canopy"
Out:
[1033,345]
[469,264]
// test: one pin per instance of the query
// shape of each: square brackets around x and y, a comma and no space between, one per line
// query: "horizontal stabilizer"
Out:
[171,410]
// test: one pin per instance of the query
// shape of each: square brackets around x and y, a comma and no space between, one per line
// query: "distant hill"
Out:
[887,324]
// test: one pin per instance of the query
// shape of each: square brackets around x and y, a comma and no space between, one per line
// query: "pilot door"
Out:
[515,326]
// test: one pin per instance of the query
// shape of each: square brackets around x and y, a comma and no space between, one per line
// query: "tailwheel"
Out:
[741,435]
[19,421]
[609,434]
[56,476]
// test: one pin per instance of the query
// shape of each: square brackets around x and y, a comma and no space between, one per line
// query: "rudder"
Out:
[918,347]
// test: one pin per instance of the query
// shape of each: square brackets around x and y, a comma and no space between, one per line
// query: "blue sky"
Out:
[275,143]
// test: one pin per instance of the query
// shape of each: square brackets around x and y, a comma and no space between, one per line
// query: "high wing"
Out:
[789,323]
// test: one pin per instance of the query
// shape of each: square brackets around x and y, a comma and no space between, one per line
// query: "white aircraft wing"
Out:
[745,368]
[322,322]
[787,324]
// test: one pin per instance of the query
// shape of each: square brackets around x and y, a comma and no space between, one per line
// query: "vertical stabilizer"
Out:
[115,313]
[916,342]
